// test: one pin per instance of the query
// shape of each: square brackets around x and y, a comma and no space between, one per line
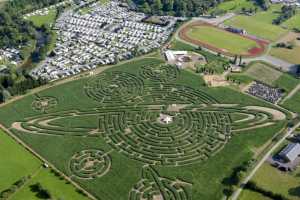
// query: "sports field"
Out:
[141,130]
[220,40]
[224,40]
[259,24]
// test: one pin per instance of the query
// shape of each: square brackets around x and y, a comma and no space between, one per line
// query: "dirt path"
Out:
[76,185]
[296,89]
[237,193]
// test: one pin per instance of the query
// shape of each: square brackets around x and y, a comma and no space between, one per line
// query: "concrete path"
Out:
[261,162]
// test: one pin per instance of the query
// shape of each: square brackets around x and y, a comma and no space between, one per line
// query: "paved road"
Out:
[266,156]
[280,64]
[216,20]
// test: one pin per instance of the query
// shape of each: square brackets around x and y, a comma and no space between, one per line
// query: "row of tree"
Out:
[174,7]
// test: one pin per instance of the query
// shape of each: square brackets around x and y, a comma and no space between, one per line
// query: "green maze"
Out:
[89,164]
[44,104]
[147,118]
[114,87]
[159,73]
[153,186]
[191,137]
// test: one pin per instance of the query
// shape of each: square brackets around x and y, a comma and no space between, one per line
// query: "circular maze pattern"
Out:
[160,73]
[114,87]
[193,136]
[89,164]
[44,103]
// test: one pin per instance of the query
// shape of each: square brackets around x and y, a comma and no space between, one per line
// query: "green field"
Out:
[235,5]
[39,20]
[293,22]
[250,195]
[263,73]
[15,162]
[58,188]
[259,24]
[104,131]
[279,182]
[289,55]
[222,39]
[293,103]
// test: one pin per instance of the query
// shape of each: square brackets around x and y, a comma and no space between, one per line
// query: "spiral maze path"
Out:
[135,119]
[159,73]
[43,104]
[89,164]
[114,87]
[153,186]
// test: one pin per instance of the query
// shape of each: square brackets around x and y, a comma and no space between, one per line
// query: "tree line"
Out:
[286,13]
[175,7]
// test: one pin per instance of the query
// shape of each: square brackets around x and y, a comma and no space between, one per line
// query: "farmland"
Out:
[91,127]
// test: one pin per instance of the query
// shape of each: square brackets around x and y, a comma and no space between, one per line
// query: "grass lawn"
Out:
[259,24]
[279,182]
[15,162]
[293,22]
[39,20]
[235,5]
[58,188]
[290,55]
[250,195]
[287,82]
[225,40]
[293,103]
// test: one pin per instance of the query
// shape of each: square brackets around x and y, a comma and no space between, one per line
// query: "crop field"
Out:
[144,130]
[263,73]
[290,55]
[39,20]
[259,25]
[220,40]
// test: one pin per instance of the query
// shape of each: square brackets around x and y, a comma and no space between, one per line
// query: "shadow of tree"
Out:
[295,191]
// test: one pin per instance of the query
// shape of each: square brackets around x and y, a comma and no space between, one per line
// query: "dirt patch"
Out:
[289,37]
[215,80]
[176,107]
[277,115]
[158,197]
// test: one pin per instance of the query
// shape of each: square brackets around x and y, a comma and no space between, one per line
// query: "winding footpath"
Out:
[237,193]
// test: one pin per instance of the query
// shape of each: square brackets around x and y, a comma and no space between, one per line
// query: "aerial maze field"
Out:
[142,131]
